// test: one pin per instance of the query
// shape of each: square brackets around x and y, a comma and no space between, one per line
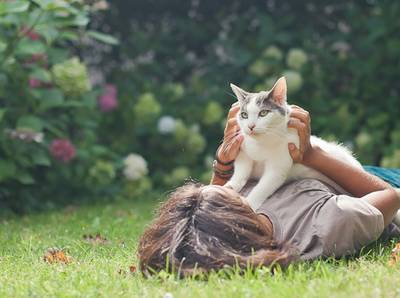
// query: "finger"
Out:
[231,133]
[234,147]
[301,110]
[303,116]
[230,148]
[230,125]
[295,123]
[296,107]
[233,111]
[294,152]
[230,136]
[302,131]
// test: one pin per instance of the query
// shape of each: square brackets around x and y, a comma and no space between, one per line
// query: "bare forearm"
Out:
[356,181]
[219,180]
[386,201]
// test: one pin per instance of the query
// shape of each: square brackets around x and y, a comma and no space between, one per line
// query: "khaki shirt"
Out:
[318,220]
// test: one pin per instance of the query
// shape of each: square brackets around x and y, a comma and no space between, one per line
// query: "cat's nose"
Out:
[251,126]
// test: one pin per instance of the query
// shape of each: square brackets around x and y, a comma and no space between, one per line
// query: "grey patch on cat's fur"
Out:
[265,101]
[246,100]
[243,104]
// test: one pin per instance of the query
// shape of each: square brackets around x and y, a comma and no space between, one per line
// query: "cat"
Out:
[264,153]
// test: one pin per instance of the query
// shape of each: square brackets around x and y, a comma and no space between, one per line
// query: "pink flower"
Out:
[108,100]
[38,58]
[31,34]
[35,83]
[62,150]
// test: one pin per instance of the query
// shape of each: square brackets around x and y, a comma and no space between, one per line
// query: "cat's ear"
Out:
[279,91]
[239,92]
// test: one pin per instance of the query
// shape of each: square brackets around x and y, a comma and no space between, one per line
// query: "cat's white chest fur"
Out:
[265,149]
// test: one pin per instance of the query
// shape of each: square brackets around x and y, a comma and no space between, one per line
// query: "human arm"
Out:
[228,150]
[356,181]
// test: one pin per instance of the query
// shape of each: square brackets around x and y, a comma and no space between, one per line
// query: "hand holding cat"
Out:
[229,149]
[301,121]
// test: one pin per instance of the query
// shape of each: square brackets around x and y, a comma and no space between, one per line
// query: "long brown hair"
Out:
[197,231]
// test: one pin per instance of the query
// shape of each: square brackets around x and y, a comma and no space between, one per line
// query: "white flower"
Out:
[294,80]
[25,135]
[195,128]
[166,124]
[363,139]
[296,58]
[135,167]
[341,46]
[273,52]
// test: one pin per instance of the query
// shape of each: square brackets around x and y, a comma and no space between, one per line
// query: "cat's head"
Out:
[264,111]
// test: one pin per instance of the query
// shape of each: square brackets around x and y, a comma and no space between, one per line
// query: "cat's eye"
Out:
[263,113]
[244,115]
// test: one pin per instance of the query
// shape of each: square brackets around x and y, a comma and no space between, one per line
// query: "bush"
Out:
[340,61]
[49,146]
[166,88]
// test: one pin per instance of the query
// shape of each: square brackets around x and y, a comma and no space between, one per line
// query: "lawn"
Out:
[101,268]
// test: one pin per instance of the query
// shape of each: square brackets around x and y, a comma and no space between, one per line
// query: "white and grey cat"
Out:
[264,154]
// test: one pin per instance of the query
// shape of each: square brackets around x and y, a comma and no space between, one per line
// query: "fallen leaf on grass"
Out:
[98,239]
[55,255]
[395,255]
[132,270]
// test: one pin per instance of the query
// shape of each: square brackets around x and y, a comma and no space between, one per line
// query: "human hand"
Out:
[229,149]
[301,121]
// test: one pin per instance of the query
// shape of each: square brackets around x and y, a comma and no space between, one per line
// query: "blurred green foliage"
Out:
[340,59]
[172,71]
[48,111]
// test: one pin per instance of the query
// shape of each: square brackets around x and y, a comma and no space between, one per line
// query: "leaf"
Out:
[79,20]
[395,255]
[132,270]
[27,47]
[49,33]
[7,169]
[40,158]
[31,123]
[9,19]
[98,239]
[52,5]
[2,112]
[41,74]
[25,178]
[55,255]
[74,104]
[13,7]
[69,35]
[103,37]
[3,46]
[51,98]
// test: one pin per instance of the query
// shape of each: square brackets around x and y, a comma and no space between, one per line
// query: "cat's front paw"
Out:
[235,186]
[255,199]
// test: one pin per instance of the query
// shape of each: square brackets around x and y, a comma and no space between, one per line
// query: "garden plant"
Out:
[106,106]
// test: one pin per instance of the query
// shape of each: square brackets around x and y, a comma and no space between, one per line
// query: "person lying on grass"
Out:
[202,228]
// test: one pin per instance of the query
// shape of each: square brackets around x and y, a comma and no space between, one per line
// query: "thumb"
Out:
[292,147]
[294,152]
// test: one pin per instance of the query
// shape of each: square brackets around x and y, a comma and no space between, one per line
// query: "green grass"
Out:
[94,271]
